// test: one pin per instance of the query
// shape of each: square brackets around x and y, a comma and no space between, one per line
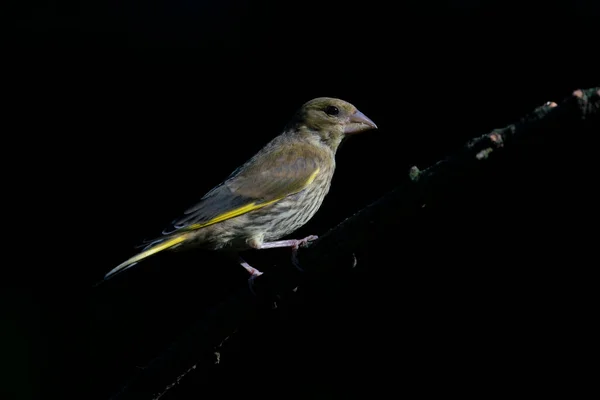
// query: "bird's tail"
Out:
[159,245]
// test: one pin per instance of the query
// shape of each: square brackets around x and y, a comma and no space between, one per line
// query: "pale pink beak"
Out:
[359,122]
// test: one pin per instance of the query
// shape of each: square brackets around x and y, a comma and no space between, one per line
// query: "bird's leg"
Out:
[293,243]
[253,273]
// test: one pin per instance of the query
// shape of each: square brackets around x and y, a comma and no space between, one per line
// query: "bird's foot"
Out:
[254,273]
[296,246]
[302,242]
[251,282]
[293,243]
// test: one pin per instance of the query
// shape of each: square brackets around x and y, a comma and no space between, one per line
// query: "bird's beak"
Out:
[359,122]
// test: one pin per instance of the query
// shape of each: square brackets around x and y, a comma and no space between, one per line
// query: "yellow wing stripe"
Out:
[311,178]
[247,208]
[183,236]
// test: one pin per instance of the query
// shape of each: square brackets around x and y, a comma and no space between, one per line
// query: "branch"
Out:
[435,182]
[198,351]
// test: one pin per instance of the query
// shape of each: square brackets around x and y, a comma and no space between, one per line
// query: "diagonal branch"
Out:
[433,183]
[197,351]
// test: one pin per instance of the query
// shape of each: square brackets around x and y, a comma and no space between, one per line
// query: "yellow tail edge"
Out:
[144,254]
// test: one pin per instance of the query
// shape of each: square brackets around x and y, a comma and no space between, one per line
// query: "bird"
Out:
[275,192]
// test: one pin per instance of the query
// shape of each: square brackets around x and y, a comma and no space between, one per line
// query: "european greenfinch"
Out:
[273,194]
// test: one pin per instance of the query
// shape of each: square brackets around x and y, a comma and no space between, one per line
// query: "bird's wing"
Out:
[268,177]
[265,179]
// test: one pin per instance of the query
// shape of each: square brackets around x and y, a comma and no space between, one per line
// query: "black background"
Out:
[121,114]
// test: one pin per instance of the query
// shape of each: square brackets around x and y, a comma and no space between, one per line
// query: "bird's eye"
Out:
[332,110]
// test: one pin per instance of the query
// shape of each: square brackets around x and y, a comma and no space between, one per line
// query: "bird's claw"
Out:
[295,260]
[253,276]
[300,242]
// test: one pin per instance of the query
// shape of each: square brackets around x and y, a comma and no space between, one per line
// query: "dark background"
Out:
[121,114]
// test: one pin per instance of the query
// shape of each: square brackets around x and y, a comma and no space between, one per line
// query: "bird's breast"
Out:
[291,213]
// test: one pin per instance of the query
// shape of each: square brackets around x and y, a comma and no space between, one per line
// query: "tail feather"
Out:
[148,251]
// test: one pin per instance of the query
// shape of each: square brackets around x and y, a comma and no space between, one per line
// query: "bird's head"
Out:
[331,120]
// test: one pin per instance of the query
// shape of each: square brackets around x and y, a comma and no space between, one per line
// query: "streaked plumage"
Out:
[274,193]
